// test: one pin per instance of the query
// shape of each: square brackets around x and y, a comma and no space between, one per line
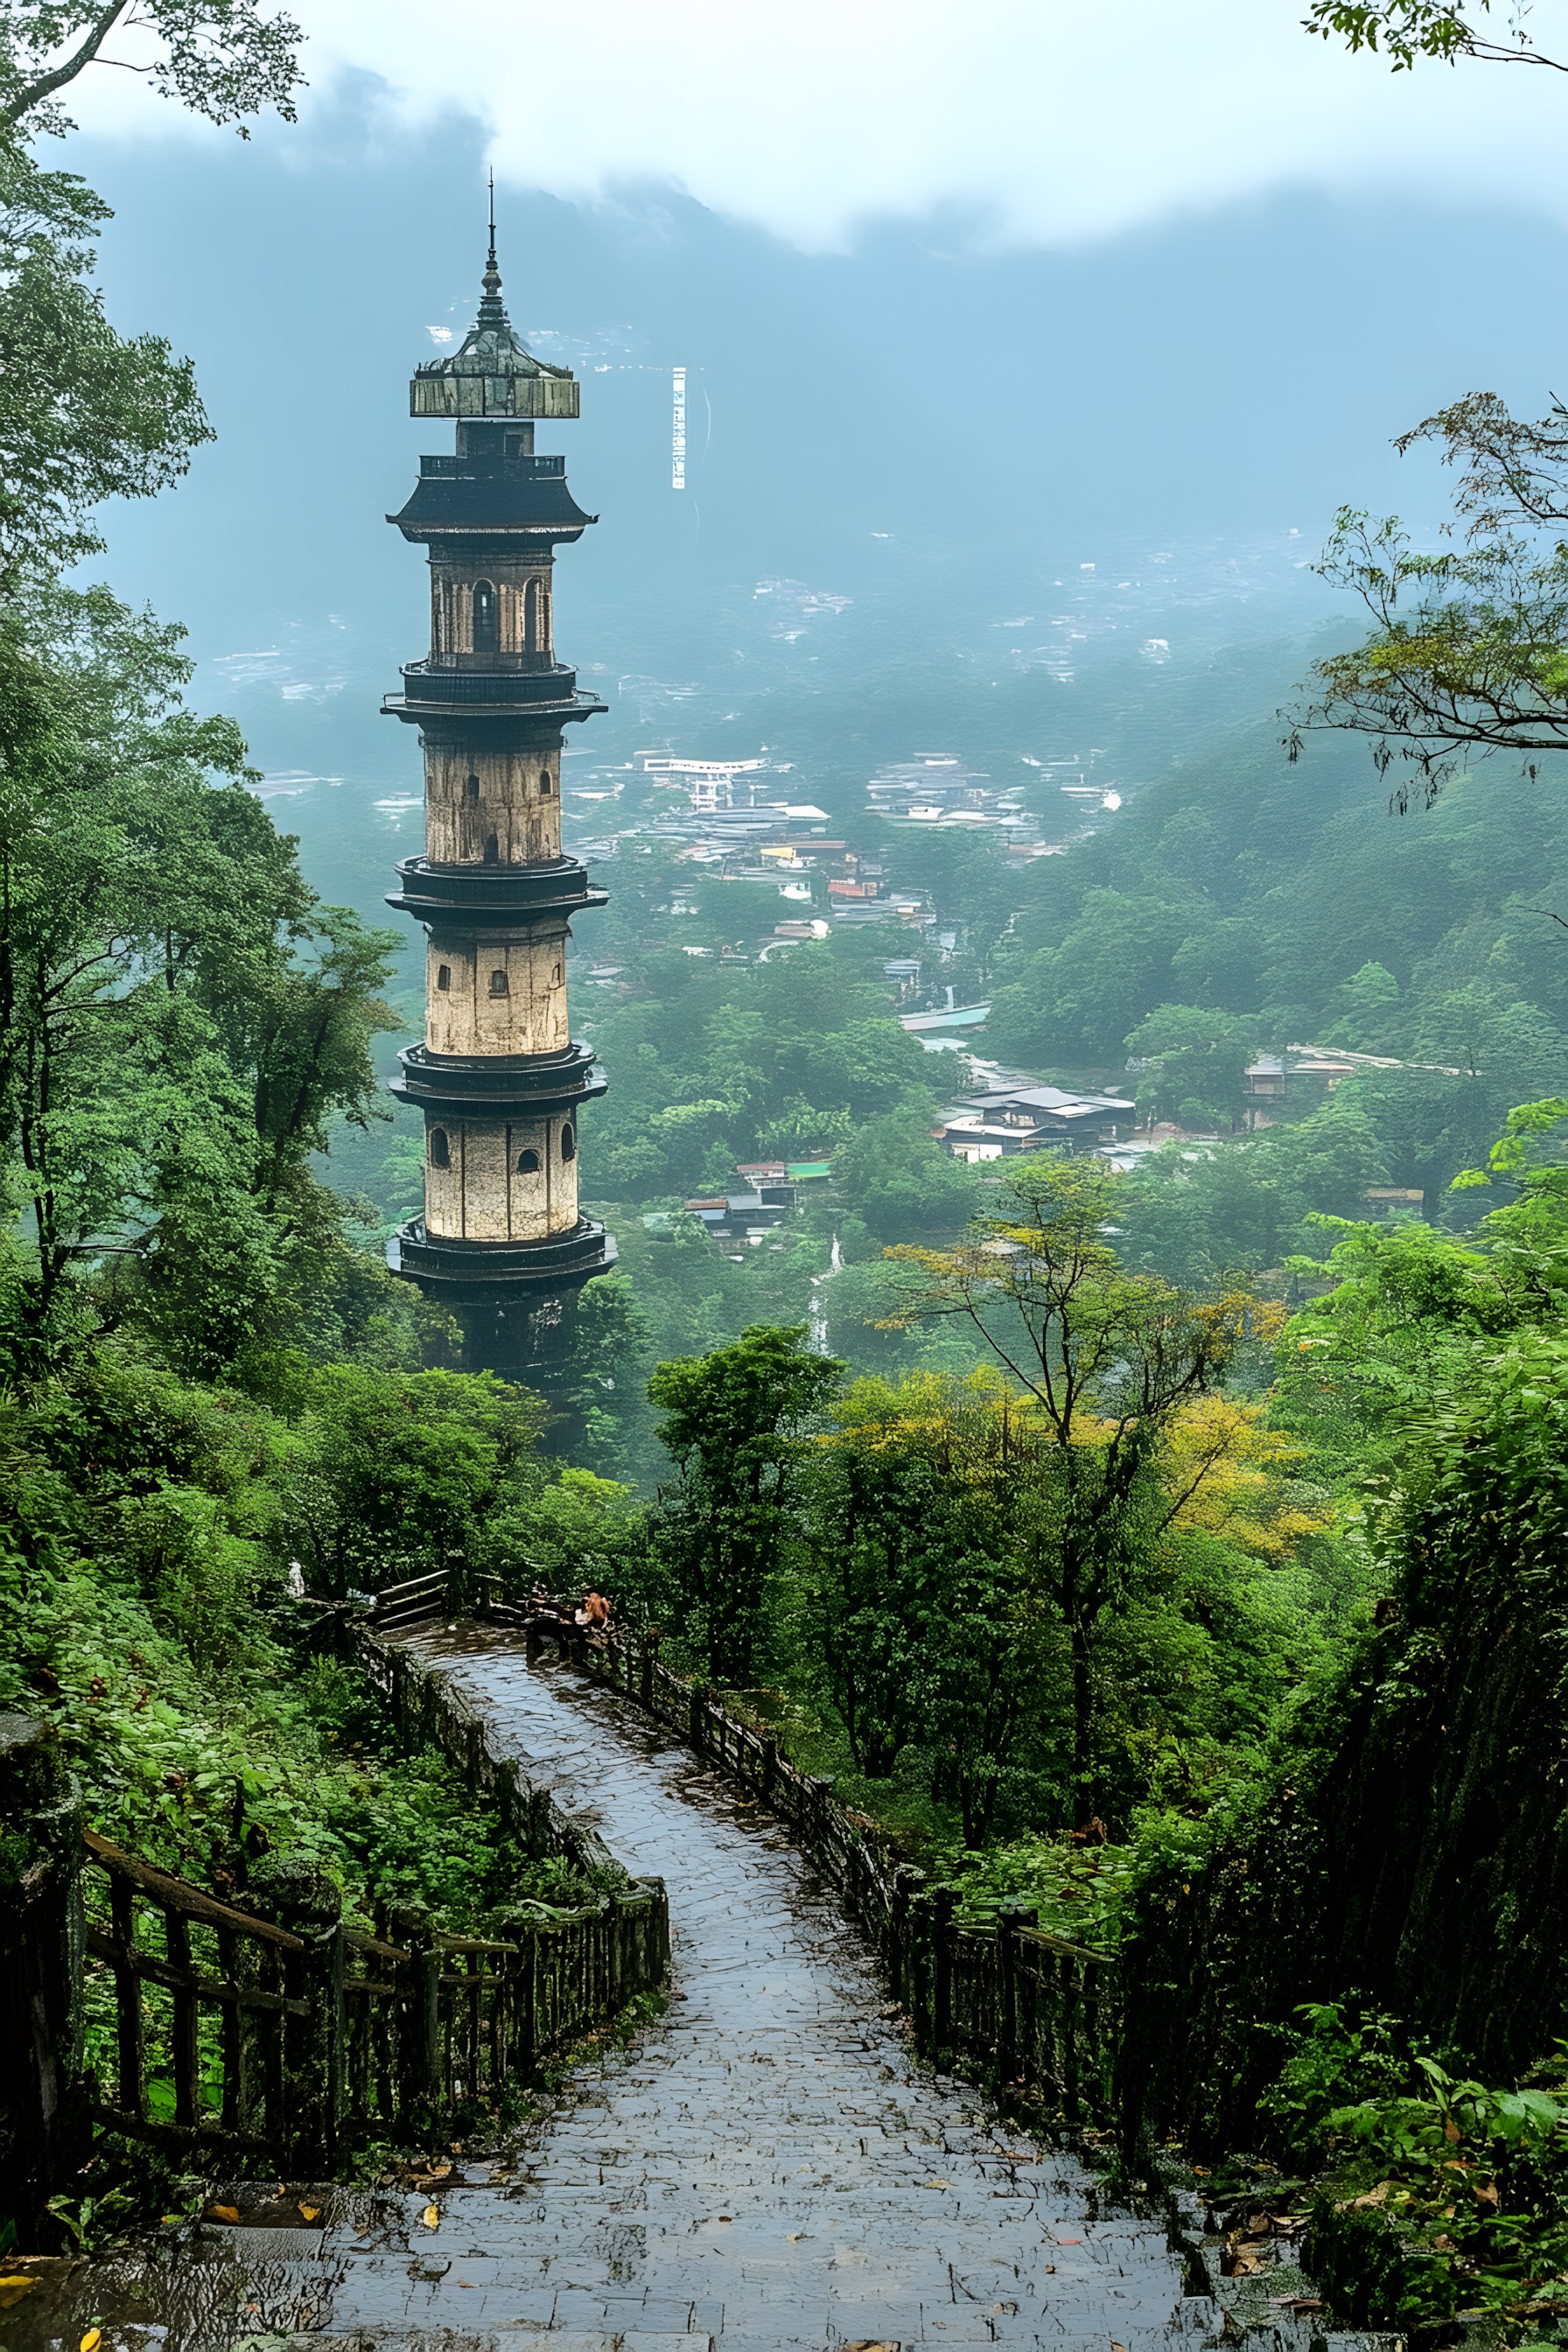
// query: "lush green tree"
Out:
[1108,1361]
[734,1425]
[926,1633]
[1222,961]
[179,1018]
[1366,1012]
[901,1182]
[1192,1058]
[84,414]
[579,1533]
[392,1474]
[1077,1000]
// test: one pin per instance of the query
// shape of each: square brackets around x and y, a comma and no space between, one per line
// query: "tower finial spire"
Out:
[491,312]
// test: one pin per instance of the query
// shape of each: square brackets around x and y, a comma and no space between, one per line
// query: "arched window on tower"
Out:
[440,1149]
[471,788]
[442,975]
[530,638]
[499,983]
[487,619]
[528,1163]
[492,850]
[568,1142]
[546,786]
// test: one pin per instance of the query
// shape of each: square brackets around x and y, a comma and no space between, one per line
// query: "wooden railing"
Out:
[265,2027]
[235,2033]
[200,2023]
[1036,2015]
[452,1592]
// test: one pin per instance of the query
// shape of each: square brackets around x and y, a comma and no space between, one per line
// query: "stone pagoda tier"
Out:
[498,1079]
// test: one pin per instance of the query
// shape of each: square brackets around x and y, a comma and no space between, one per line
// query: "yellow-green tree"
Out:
[1104,1452]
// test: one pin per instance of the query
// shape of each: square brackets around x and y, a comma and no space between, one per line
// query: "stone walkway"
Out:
[765,2167]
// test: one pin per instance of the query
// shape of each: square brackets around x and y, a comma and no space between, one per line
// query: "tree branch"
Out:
[78,62]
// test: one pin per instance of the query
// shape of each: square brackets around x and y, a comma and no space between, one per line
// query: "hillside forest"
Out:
[1179,1552]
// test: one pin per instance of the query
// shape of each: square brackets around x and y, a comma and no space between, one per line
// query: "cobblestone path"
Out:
[765,2167]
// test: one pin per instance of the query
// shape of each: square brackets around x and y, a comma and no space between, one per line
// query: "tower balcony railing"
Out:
[512,469]
[429,684]
[493,896]
[470,1082]
[480,1269]
[489,665]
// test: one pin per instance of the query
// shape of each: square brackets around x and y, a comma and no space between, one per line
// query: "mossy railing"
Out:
[266,2030]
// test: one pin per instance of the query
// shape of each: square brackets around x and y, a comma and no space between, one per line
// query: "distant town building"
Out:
[996,1124]
[710,784]
[1386,1201]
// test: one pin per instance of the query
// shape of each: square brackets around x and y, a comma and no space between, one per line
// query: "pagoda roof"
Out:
[492,501]
[492,372]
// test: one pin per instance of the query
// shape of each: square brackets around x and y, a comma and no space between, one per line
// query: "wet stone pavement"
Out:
[765,2167]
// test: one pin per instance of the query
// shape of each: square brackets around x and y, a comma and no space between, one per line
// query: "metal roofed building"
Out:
[1021,1118]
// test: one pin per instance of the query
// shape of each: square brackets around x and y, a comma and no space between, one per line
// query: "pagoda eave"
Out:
[473,1273]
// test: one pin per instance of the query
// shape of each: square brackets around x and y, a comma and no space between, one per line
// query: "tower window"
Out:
[568,1143]
[528,1163]
[498,984]
[442,975]
[531,617]
[492,849]
[487,619]
[440,1149]
[545,785]
[472,789]
[560,975]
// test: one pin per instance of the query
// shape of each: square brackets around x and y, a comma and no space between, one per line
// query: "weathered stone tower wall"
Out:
[498,1078]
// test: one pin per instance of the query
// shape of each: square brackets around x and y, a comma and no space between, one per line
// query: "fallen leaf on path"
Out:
[309,2213]
[939,2184]
[12,2290]
[92,2339]
[431,2216]
[795,2236]
[223,2213]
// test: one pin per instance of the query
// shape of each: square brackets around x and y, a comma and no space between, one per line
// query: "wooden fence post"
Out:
[1010,1917]
[303,1898]
[45,2134]
[943,1904]
[697,1717]
[645,1664]
[900,1967]
[418,2030]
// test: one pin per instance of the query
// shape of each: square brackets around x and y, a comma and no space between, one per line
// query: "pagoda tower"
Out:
[498,1079]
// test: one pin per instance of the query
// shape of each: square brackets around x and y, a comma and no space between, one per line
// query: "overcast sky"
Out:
[1057,120]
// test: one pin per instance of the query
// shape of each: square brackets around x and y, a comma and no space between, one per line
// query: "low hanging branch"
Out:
[1445,30]
[224,60]
[1468,654]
